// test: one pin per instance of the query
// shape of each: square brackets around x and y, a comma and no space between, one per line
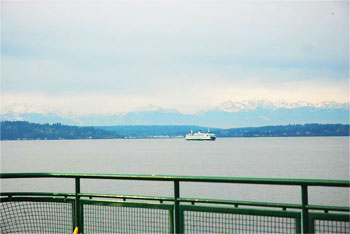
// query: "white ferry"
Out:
[199,136]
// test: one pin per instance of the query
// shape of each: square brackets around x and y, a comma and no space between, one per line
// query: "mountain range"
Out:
[227,115]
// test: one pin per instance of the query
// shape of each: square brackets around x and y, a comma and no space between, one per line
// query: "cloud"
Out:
[117,56]
[186,98]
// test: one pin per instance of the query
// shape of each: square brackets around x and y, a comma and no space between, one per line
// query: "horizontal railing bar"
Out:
[250,211]
[127,204]
[38,199]
[244,180]
[130,197]
[330,208]
[265,204]
[242,203]
[195,200]
[37,194]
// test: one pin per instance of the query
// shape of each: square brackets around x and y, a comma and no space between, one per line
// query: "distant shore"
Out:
[168,138]
[22,130]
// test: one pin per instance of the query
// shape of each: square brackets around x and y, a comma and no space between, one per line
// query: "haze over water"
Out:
[303,157]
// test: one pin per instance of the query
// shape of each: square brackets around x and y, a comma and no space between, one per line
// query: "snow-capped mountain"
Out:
[228,114]
[230,106]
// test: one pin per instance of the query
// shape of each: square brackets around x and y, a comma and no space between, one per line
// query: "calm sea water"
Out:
[312,157]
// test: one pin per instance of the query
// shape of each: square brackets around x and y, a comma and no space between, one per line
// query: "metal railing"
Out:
[33,212]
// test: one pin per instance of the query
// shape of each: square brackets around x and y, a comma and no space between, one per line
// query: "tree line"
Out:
[22,130]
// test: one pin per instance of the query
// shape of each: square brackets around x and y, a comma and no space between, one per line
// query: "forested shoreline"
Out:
[22,130]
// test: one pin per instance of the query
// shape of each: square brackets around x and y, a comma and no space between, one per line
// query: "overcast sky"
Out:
[103,57]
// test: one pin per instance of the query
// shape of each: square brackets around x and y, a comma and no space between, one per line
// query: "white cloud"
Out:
[118,56]
[186,99]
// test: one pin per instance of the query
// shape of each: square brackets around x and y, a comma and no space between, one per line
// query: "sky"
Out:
[118,56]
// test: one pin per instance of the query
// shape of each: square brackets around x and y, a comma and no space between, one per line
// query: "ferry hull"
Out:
[211,139]
[199,138]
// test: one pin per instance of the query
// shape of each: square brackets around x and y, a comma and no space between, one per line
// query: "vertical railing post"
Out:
[177,210]
[305,212]
[77,205]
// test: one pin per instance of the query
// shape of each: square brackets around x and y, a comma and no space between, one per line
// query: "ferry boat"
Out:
[199,136]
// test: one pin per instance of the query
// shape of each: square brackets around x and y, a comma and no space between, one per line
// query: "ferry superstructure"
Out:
[200,136]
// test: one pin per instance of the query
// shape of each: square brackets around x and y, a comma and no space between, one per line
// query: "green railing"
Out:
[39,212]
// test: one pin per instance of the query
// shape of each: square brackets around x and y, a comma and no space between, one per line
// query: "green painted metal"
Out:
[37,194]
[240,203]
[176,215]
[257,212]
[181,219]
[172,219]
[129,197]
[38,199]
[304,203]
[118,196]
[326,216]
[328,208]
[176,206]
[262,212]
[41,199]
[74,215]
[298,225]
[78,211]
[244,180]
[168,207]
[127,204]
[171,199]
[81,216]
[334,216]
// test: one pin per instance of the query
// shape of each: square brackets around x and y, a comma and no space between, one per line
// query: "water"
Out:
[312,157]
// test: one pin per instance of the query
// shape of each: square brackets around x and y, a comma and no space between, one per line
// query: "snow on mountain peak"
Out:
[16,108]
[333,105]
[238,106]
[22,108]
[15,111]
[230,106]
